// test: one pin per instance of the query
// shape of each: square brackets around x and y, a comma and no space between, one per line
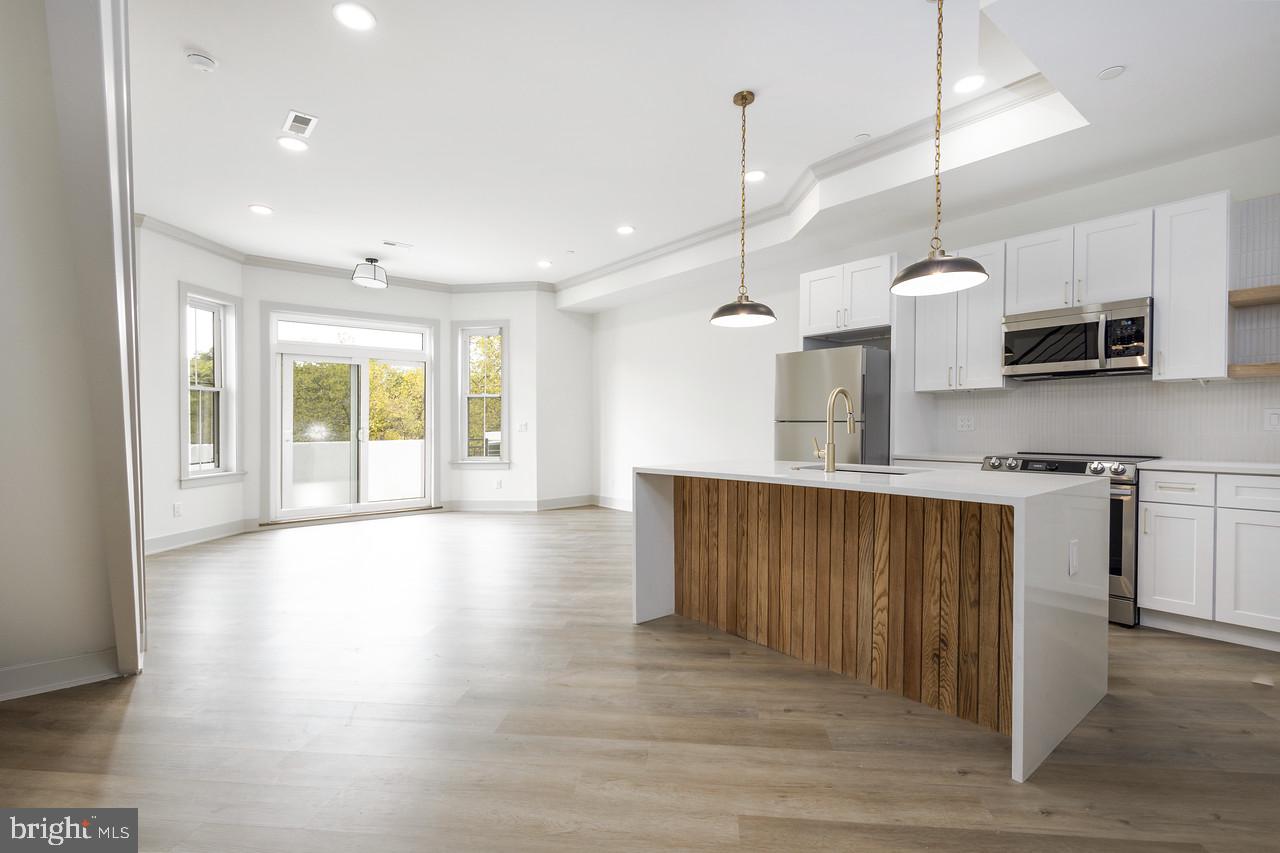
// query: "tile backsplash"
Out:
[1131,414]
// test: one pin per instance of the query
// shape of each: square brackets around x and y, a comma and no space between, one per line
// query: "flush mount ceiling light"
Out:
[1111,72]
[369,274]
[743,311]
[967,84]
[755,176]
[626,230]
[292,143]
[939,272]
[544,264]
[202,61]
[353,16]
[862,137]
[260,209]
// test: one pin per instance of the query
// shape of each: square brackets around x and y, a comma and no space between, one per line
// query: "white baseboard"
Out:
[566,503]
[28,679]
[156,544]
[491,506]
[607,502]
[1238,634]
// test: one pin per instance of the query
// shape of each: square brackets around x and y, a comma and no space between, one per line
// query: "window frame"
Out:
[227,360]
[462,393]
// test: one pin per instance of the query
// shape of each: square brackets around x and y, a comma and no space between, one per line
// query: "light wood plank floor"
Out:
[473,682]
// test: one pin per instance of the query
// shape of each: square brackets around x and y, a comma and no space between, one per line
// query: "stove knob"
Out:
[1012,464]
[1118,469]
[994,462]
[1097,468]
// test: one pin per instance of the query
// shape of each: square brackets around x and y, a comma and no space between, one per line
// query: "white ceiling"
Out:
[492,134]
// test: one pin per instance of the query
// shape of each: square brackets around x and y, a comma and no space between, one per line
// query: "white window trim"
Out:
[460,330]
[230,332]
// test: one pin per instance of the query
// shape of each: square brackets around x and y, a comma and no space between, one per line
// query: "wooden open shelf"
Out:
[1254,296]
[1253,371]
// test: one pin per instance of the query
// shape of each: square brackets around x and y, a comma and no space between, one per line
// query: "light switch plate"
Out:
[1271,419]
[964,423]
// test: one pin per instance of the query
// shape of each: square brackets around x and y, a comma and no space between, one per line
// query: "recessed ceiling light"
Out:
[1111,72]
[624,230]
[354,16]
[201,61]
[545,264]
[862,137]
[755,176]
[260,209]
[292,143]
[969,83]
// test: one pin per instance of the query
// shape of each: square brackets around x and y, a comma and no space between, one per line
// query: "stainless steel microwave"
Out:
[1087,340]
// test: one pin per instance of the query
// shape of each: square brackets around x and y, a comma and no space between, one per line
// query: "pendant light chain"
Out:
[935,245]
[742,222]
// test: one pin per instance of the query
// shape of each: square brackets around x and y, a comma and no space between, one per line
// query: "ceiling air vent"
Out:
[299,124]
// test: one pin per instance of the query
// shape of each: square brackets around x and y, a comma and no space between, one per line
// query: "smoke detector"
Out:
[299,124]
[201,61]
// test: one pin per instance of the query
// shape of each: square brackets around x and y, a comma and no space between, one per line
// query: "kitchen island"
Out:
[977,593]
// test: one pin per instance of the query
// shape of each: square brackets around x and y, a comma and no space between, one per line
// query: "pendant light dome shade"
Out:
[938,274]
[741,312]
[369,274]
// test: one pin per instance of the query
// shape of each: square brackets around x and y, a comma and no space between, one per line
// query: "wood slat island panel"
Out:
[911,595]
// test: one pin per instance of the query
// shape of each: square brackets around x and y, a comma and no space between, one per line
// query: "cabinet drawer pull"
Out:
[1175,487]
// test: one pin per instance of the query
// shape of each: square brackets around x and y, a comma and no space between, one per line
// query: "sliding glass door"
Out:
[352,404]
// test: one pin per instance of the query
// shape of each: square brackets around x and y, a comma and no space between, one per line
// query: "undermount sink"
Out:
[851,469]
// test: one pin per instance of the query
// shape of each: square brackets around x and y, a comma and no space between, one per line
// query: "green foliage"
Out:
[397,401]
[484,414]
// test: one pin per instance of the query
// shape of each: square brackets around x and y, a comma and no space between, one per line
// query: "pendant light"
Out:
[743,311]
[939,272]
[369,274]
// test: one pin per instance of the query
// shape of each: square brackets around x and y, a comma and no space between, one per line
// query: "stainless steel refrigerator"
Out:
[802,383]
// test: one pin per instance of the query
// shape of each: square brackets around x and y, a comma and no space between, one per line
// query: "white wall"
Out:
[162,263]
[565,405]
[55,608]
[671,388]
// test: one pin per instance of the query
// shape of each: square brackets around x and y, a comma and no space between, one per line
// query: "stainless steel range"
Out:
[1123,472]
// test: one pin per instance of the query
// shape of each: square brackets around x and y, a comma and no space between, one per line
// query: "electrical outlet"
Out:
[498,484]
[1271,419]
[964,423]
[177,509]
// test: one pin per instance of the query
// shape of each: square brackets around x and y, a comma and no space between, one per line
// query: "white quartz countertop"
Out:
[1270,468]
[948,484]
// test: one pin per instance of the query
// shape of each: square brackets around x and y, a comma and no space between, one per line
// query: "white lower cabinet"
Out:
[1248,575]
[1175,559]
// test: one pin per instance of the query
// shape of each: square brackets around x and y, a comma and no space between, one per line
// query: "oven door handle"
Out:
[1103,319]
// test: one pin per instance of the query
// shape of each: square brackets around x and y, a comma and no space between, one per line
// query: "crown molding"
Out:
[1010,97]
[182,235]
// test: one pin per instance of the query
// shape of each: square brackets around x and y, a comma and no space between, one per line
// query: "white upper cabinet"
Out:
[870,302]
[851,296]
[1113,258]
[823,300]
[959,345]
[1190,274]
[1248,585]
[979,311]
[936,342]
[1039,271]
[1175,559]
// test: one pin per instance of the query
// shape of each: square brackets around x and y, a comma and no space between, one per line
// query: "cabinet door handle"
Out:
[837,318]
[960,375]
[1079,290]
[1146,520]
[949,377]
[1066,289]
[846,317]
